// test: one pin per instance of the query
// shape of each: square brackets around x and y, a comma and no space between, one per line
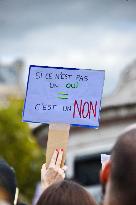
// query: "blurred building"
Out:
[125,93]
[11,80]
[86,145]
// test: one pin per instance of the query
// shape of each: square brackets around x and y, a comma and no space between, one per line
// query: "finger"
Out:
[65,168]
[63,175]
[43,167]
[59,158]
[53,159]
[43,171]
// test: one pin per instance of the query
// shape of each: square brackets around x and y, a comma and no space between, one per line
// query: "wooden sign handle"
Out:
[57,139]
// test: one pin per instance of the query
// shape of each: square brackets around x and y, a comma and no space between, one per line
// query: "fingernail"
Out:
[62,150]
[57,150]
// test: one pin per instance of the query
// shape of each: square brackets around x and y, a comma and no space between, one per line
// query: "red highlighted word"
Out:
[85,109]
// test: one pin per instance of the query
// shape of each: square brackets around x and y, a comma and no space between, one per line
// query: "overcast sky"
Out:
[99,34]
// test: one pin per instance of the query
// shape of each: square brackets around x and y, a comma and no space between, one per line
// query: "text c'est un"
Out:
[42,106]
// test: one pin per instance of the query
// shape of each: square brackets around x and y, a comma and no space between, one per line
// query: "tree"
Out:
[19,148]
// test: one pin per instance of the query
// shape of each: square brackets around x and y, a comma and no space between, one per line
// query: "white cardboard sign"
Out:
[71,96]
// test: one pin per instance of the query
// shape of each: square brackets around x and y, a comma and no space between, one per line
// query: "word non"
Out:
[84,109]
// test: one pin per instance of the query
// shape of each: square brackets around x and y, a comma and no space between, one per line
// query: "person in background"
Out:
[8,184]
[120,171]
[65,193]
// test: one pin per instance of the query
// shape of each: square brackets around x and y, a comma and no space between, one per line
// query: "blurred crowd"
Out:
[117,177]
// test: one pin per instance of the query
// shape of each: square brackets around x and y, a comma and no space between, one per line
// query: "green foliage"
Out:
[19,148]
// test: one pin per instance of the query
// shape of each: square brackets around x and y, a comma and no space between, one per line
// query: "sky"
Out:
[97,34]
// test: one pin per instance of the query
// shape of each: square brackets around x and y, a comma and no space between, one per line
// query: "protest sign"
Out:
[70,96]
[62,97]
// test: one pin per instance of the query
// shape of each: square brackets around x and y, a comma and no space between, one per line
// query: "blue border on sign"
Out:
[76,125]
[26,91]
[64,68]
